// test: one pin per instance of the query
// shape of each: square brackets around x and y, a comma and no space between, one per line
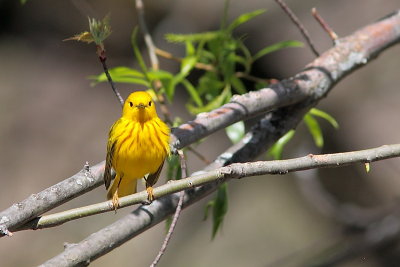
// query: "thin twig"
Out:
[101,52]
[153,60]
[199,155]
[147,36]
[177,212]
[299,25]
[324,25]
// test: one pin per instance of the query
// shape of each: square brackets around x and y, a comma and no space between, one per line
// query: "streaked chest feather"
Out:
[140,146]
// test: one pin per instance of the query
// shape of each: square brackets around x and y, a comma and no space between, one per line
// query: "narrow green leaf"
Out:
[248,59]
[159,75]
[168,222]
[276,150]
[121,75]
[220,208]
[187,65]
[195,37]
[190,49]
[242,61]
[238,85]
[314,129]
[192,92]
[326,116]
[216,102]
[210,204]
[244,18]
[235,132]
[275,47]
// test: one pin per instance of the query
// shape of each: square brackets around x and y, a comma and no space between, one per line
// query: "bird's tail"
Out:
[125,187]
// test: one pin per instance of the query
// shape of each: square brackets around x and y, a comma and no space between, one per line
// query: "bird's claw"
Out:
[115,201]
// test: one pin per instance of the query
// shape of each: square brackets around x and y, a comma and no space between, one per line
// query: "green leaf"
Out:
[276,150]
[210,204]
[275,47]
[244,18]
[314,129]
[159,75]
[187,65]
[238,85]
[216,102]
[195,37]
[235,132]
[209,83]
[168,222]
[192,92]
[190,49]
[122,75]
[220,208]
[247,60]
[326,116]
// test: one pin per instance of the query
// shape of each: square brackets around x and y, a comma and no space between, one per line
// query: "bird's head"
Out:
[139,106]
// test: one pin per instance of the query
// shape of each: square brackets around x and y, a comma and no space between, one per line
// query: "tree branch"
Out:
[233,171]
[310,85]
[78,184]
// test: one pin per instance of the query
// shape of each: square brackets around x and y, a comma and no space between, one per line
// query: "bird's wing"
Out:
[152,178]
[109,158]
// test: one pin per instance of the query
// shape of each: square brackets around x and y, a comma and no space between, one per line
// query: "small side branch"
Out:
[299,25]
[103,58]
[147,37]
[324,25]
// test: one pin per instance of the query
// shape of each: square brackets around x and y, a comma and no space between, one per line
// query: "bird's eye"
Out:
[150,104]
[131,104]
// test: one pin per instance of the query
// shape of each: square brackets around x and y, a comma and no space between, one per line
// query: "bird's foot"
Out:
[150,195]
[115,201]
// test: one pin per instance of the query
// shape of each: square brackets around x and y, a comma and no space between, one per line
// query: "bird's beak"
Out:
[141,106]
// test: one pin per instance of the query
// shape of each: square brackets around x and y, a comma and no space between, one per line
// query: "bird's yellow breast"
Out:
[140,148]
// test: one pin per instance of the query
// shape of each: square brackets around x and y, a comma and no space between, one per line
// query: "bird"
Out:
[138,144]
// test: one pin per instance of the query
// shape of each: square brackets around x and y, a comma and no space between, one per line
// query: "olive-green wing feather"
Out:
[152,178]
[109,159]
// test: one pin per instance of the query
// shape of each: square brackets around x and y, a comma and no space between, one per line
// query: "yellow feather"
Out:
[138,144]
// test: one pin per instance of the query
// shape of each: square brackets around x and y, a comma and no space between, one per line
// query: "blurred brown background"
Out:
[52,121]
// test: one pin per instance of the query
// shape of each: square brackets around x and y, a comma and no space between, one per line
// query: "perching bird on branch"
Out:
[138,144]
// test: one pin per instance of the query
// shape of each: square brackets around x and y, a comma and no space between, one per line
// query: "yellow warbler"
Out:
[138,144]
